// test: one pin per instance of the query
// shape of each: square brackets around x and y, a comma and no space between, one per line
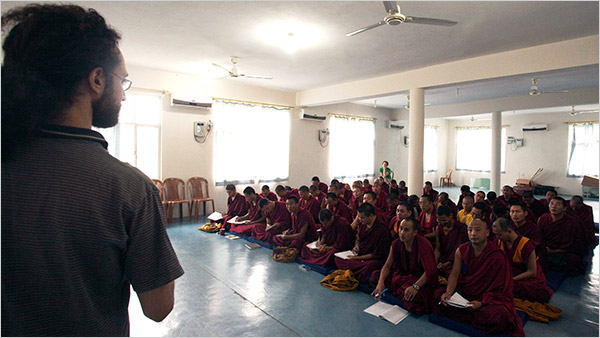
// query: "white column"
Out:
[496,147]
[416,122]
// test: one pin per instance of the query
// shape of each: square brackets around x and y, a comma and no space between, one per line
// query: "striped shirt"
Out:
[78,227]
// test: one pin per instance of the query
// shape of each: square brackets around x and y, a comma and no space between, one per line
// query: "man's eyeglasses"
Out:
[125,83]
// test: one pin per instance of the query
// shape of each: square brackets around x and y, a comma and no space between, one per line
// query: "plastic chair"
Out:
[159,184]
[175,194]
[446,181]
[198,188]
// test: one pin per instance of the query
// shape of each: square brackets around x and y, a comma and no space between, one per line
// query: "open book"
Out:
[458,301]
[392,313]
[234,220]
[345,254]
[252,246]
[215,216]
[312,245]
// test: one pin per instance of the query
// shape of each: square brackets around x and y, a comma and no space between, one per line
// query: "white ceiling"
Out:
[185,37]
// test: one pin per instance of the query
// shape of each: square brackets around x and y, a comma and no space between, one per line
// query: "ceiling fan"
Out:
[533,90]
[407,105]
[574,112]
[395,17]
[234,72]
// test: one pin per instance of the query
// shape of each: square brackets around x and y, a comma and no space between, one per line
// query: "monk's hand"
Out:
[377,292]
[475,304]
[410,293]
[445,297]
[324,249]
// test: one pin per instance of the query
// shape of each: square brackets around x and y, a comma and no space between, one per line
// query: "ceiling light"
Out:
[290,36]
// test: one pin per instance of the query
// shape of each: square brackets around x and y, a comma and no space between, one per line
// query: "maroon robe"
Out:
[533,289]
[254,214]
[486,278]
[236,206]
[529,230]
[280,215]
[338,235]
[460,198]
[311,205]
[408,268]
[341,210]
[381,202]
[298,221]
[433,193]
[537,208]
[355,204]
[449,243]
[346,197]
[385,187]
[270,196]
[506,199]
[323,187]
[451,205]
[565,234]
[427,227]
[320,197]
[585,214]
[375,240]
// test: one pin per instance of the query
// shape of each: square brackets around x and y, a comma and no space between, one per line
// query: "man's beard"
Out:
[105,113]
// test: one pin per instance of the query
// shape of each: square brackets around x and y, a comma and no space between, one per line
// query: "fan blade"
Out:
[429,21]
[391,7]
[366,28]
[225,69]
[257,77]
[560,91]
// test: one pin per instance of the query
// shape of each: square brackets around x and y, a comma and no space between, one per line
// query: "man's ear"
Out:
[97,82]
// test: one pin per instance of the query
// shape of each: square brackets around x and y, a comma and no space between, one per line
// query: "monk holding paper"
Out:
[335,236]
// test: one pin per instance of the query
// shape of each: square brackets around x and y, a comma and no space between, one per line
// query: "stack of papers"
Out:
[215,216]
[345,254]
[392,313]
[458,301]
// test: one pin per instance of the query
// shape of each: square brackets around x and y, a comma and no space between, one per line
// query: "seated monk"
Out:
[428,190]
[267,193]
[464,214]
[562,235]
[523,227]
[338,207]
[403,210]
[449,235]
[507,193]
[335,235]
[367,186]
[380,201]
[414,201]
[465,190]
[284,193]
[409,270]
[392,202]
[530,215]
[371,247]
[371,198]
[444,199]
[402,194]
[585,214]
[252,217]
[480,197]
[236,205]
[277,220]
[534,205]
[550,194]
[322,186]
[478,212]
[357,199]
[302,230]
[309,203]
[529,281]
[319,195]
[393,184]
[402,185]
[481,274]
[343,194]
[427,218]
[499,210]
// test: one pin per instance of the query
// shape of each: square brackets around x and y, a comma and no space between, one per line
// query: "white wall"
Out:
[546,149]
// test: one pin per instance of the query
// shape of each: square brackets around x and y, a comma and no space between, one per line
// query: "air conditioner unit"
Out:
[535,127]
[393,125]
[175,102]
[315,117]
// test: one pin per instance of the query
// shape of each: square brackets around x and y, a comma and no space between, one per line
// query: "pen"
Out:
[381,293]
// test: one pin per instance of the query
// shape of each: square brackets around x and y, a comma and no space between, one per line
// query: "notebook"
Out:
[345,254]
[215,216]
[232,236]
[458,301]
[252,246]
[392,313]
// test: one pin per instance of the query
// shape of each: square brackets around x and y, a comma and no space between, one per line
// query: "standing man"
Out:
[78,225]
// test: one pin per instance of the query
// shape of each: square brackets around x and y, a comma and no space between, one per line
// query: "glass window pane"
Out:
[349,137]
[127,114]
[127,144]
[147,154]
[147,109]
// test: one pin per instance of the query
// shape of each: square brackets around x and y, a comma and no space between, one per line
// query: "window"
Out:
[252,143]
[430,158]
[136,138]
[474,149]
[583,149]
[351,147]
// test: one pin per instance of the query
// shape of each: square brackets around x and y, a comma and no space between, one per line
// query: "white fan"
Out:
[234,72]
[395,17]
[574,112]
[533,90]
[407,105]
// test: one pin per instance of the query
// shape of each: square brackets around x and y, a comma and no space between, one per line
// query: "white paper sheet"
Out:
[345,254]
[458,301]
[312,245]
[215,216]
[392,313]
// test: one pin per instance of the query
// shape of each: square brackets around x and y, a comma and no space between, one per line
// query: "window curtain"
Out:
[473,149]
[351,147]
[252,143]
[583,149]
[430,158]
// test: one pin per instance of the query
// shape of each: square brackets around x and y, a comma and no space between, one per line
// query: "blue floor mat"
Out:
[317,268]
[554,279]
[467,329]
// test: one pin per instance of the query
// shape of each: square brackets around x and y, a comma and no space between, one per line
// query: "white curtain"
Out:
[583,149]
[252,143]
[351,147]
[473,149]
[430,158]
